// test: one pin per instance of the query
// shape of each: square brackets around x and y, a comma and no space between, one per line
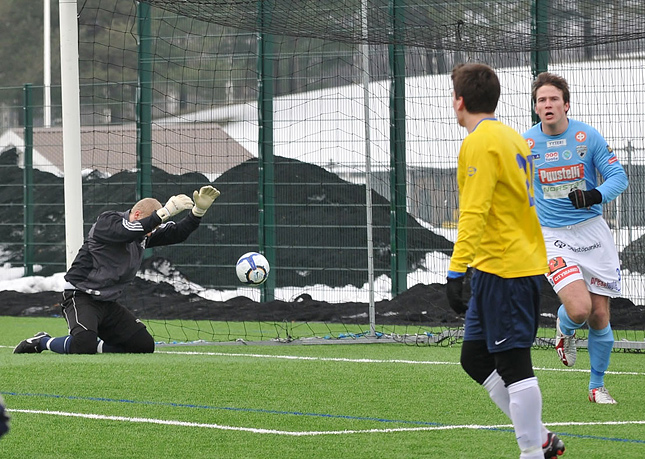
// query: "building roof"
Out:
[326,127]
[177,148]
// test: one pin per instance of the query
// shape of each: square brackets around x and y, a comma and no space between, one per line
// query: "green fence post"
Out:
[144,103]
[28,183]
[266,162]
[398,190]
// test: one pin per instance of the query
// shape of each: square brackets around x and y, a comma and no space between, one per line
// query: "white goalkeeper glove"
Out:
[204,199]
[174,205]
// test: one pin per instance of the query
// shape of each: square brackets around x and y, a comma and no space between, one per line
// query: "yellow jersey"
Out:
[499,231]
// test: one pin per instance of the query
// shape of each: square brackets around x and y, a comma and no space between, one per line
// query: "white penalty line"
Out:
[103,417]
[342,359]
[300,357]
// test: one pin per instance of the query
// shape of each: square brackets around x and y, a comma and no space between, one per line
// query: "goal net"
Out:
[292,108]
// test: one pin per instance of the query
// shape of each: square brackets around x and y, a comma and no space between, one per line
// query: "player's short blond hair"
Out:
[146,206]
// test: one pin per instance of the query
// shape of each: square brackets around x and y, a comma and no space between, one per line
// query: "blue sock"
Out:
[567,326]
[600,345]
[42,344]
[59,345]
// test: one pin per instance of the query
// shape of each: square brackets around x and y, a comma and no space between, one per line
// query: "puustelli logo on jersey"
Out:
[556,143]
[558,174]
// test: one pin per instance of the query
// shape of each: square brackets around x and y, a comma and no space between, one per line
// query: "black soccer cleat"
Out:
[30,345]
[553,447]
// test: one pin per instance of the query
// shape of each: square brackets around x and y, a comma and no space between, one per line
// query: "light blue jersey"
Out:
[569,161]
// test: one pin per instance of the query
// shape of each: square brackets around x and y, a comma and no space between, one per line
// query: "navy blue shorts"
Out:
[503,312]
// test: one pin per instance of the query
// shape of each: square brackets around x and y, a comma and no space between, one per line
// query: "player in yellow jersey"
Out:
[499,236]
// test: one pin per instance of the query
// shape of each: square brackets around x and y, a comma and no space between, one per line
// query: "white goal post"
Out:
[71,110]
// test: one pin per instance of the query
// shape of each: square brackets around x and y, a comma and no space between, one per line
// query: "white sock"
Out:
[525,405]
[494,384]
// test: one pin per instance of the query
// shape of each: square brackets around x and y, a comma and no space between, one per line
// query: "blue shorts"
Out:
[503,312]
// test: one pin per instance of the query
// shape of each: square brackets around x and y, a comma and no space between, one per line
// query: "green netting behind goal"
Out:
[347,80]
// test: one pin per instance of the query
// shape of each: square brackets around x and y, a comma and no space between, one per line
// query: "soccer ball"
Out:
[252,268]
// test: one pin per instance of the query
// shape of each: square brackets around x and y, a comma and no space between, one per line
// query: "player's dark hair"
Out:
[552,79]
[478,85]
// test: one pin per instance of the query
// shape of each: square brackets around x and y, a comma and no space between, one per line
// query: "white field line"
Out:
[300,357]
[342,359]
[304,433]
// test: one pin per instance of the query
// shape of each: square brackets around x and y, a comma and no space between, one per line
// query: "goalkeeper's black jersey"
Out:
[112,253]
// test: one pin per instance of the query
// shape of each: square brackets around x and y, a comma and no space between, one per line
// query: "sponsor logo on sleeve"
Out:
[612,160]
[471,171]
[530,142]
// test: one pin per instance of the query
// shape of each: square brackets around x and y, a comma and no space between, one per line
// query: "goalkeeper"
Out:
[104,266]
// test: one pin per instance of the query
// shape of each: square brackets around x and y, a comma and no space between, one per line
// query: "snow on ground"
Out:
[11,278]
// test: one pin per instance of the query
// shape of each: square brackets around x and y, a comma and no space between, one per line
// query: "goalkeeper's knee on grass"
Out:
[84,342]
[140,343]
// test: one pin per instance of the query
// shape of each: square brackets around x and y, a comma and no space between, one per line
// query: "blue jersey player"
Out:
[584,269]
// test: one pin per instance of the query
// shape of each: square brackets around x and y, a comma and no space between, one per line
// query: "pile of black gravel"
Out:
[320,239]
[320,219]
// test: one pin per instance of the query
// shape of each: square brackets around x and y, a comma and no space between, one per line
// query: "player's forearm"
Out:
[174,232]
[471,227]
[613,186]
